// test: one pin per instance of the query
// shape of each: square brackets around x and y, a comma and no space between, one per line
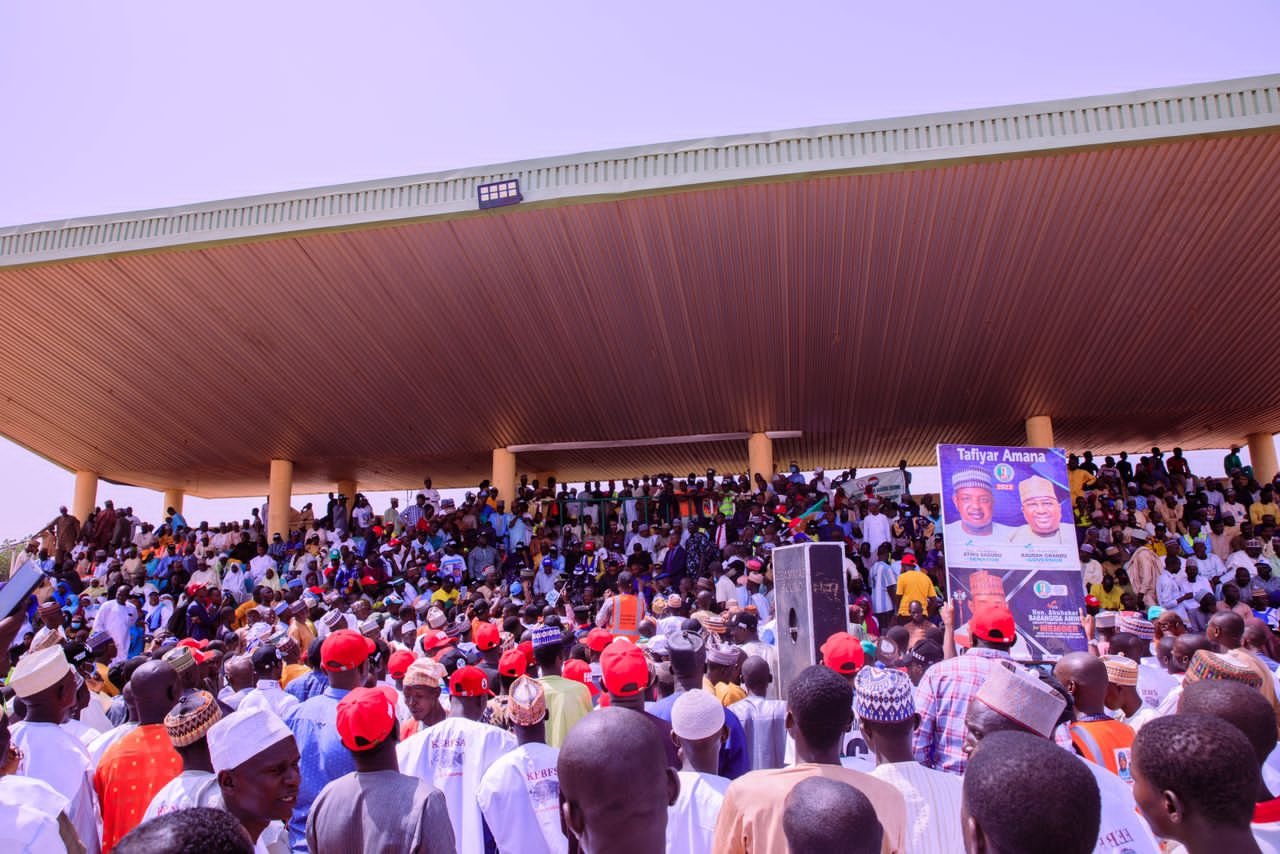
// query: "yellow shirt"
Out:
[1258,510]
[567,703]
[443,595]
[292,672]
[1106,601]
[913,586]
[1079,480]
[240,620]
[725,692]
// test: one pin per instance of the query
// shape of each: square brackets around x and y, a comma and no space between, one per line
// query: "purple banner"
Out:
[1010,538]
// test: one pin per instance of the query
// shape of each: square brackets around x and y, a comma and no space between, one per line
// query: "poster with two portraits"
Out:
[1010,538]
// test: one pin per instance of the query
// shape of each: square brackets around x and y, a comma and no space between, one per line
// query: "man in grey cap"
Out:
[975,503]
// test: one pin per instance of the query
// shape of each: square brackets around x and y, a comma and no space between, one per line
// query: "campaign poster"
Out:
[888,485]
[1010,537]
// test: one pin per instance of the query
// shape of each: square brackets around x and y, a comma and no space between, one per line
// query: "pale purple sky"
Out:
[125,106]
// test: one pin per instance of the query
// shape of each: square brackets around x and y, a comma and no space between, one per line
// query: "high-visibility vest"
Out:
[1107,743]
[625,619]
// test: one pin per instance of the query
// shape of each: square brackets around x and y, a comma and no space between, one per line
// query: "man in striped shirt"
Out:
[943,696]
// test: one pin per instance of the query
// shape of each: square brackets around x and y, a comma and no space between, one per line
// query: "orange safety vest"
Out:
[625,619]
[1107,743]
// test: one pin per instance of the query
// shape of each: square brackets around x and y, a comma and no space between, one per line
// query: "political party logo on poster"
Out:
[1010,541]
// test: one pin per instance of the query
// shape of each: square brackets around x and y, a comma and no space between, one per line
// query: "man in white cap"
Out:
[455,754]
[255,758]
[698,729]
[519,794]
[1013,698]
[46,683]
[32,813]
[974,501]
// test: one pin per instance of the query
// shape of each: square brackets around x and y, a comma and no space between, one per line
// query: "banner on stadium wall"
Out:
[886,485]
[1010,538]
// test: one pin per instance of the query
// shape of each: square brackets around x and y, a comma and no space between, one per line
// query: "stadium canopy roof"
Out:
[1112,262]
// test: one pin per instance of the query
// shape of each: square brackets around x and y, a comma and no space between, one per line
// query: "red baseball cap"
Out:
[1091,601]
[345,650]
[598,639]
[843,653]
[624,667]
[434,639]
[513,663]
[366,717]
[399,663]
[590,546]
[577,670]
[527,648]
[485,636]
[469,682]
[993,623]
[431,569]
[908,560]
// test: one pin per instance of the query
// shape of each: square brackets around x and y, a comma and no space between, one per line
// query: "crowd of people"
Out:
[597,670]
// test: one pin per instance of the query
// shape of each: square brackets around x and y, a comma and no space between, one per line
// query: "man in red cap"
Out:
[626,676]
[344,657]
[942,698]
[376,808]
[488,640]
[398,665]
[454,755]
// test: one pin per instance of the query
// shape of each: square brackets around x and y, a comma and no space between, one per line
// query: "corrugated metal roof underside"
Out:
[1122,291]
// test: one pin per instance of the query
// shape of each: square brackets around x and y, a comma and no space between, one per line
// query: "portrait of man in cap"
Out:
[975,503]
[1042,511]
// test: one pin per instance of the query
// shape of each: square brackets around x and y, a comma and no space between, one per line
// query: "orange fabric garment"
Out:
[292,672]
[626,616]
[1106,743]
[128,777]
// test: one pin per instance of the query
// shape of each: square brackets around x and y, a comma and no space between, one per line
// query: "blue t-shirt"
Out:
[324,757]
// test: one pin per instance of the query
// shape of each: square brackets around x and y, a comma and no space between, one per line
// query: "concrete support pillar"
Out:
[173,498]
[504,475]
[1262,456]
[347,487]
[279,495]
[86,494]
[1040,432]
[760,455]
